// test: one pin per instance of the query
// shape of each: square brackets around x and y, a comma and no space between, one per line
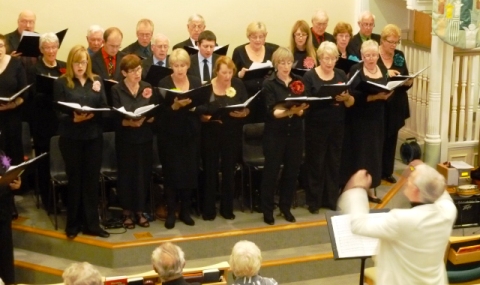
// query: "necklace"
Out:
[371,72]
[133,89]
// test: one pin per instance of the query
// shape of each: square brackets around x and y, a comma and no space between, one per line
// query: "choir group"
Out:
[321,123]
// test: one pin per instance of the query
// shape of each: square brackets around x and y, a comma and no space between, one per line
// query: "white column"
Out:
[433,138]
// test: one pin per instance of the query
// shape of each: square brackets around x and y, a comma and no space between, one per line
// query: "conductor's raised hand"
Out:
[361,179]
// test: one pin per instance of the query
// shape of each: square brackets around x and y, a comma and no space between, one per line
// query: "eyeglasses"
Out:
[196,27]
[114,46]
[320,24]
[329,59]
[300,35]
[2,45]
[368,25]
[136,70]
[392,42]
[285,63]
[144,35]
[161,46]
[369,56]
[346,36]
[50,48]
[81,63]
[261,37]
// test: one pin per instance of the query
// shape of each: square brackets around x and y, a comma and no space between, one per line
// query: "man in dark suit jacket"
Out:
[106,61]
[26,22]
[366,22]
[160,45]
[205,56]
[195,25]
[142,46]
[319,25]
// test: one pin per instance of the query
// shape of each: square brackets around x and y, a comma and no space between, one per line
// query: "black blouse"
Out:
[85,96]
[324,111]
[12,80]
[182,122]
[121,97]
[241,60]
[275,91]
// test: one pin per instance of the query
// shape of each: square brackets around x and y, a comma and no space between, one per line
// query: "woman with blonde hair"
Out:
[80,142]
[301,46]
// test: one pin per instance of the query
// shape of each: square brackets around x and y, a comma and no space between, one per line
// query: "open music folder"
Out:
[144,111]
[199,96]
[30,43]
[15,171]
[220,50]
[346,244]
[4,100]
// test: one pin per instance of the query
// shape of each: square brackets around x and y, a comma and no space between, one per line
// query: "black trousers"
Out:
[7,272]
[220,150]
[323,152]
[11,137]
[280,150]
[83,159]
[388,156]
[134,163]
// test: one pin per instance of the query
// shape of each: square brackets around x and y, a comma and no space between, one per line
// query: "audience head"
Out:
[160,46]
[342,34]
[49,47]
[82,274]
[113,40]
[327,54]
[319,22]
[390,37]
[224,68]
[131,67]
[196,25]
[246,259]
[168,259]
[179,61]
[3,46]
[366,22]
[256,34]
[95,37]
[206,43]
[26,21]
[144,32]
[424,185]
[369,51]
[79,64]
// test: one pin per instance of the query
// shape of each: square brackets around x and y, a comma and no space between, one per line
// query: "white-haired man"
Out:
[160,45]
[319,25]
[142,46]
[195,25]
[168,261]
[366,23]
[94,39]
[412,241]
[82,273]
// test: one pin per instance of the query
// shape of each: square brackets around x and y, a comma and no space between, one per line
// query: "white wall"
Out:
[228,19]
[389,12]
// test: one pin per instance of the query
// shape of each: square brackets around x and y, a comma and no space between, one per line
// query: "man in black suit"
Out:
[201,64]
[142,46]
[106,61]
[26,22]
[319,25]
[94,39]
[195,25]
[160,45]
[366,22]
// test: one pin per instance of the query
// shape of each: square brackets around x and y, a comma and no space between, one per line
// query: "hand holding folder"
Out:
[4,100]
[16,171]
[198,96]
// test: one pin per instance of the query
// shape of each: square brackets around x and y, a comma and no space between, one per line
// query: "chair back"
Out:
[109,156]
[57,165]
[252,148]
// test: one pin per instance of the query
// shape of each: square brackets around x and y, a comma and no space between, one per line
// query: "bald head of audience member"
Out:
[319,22]
[26,21]
[82,273]
[113,40]
[160,46]
[144,32]
[168,261]
[94,38]
[366,23]
[196,25]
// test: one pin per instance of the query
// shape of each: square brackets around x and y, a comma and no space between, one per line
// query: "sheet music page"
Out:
[349,244]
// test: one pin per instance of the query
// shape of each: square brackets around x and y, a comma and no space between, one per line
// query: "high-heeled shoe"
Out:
[375,200]
[144,224]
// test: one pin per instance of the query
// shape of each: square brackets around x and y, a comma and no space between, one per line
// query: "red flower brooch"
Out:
[62,70]
[147,93]
[309,62]
[297,87]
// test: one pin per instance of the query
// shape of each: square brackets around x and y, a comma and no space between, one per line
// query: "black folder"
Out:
[299,71]
[12,97]
[345,64]
[332,90]
[15,171]
[199,96]
[30,44]
[44,83]
[289,102]
[108,83]
[257,73]
[157,73]
[218,50]
[224,111]
[370,87]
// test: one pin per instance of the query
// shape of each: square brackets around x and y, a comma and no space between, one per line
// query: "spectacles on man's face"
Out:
[367,25]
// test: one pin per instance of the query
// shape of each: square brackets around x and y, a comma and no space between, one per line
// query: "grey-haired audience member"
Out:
[82,273]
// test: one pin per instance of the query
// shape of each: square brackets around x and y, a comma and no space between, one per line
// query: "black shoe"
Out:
[98,232]
[288,216]
[170,221]
[230,216]
[313,210]
[375,200]
[71,234]
[208,217]
[186,219]
[268,219]
[390,179]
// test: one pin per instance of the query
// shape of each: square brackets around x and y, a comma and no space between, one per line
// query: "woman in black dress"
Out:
[301,46]
[7,273]
[283,137]
[182,128]
[133,141]
[44,121]
[342,34]
[364,133]
[221,138]
[396,108]
[258,51]
[324,130]
[81,141]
